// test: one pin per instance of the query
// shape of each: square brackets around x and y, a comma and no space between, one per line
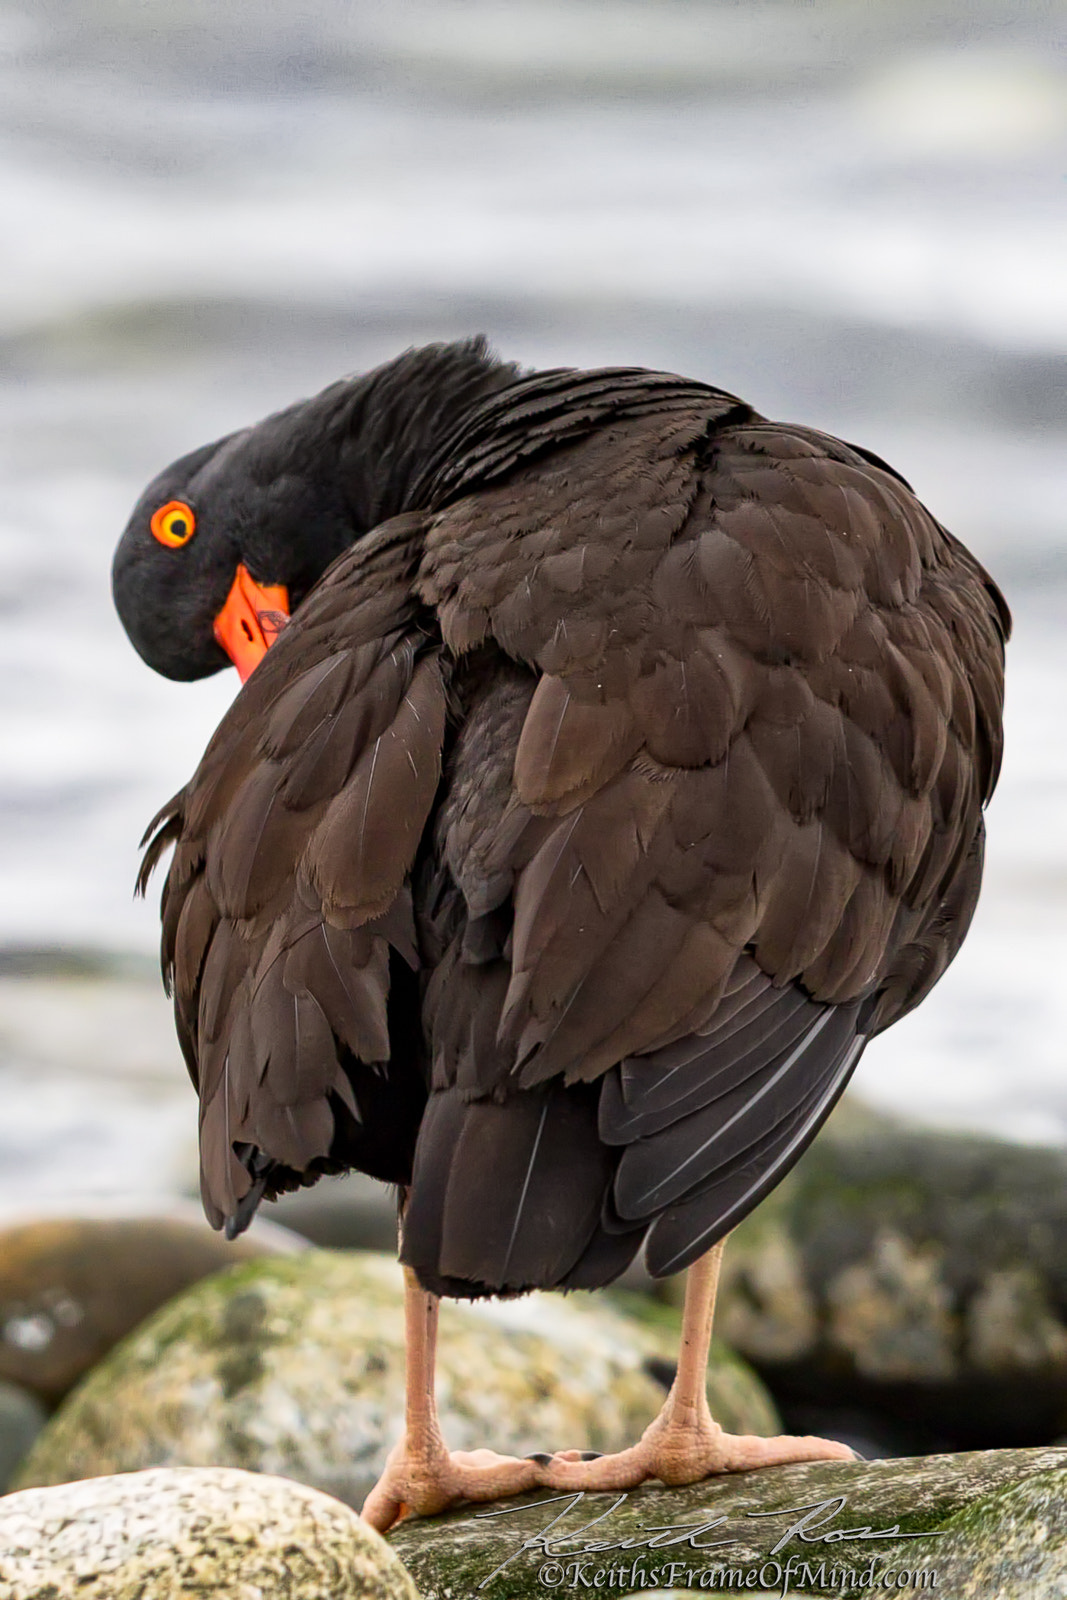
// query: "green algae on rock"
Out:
[294,1365]
[974,1526]
[176,1532]
[918,1273]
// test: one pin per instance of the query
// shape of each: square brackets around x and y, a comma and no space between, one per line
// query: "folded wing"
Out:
[729,826]
[288,933]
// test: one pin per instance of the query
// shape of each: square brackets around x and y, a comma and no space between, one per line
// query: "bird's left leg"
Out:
[422,1476]
[685,1443]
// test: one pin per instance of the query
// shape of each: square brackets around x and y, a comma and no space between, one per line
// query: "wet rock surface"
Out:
[909,1275]
[171,1534]
[295,1366]
[974,1526]
[22,1416]
[71,1288]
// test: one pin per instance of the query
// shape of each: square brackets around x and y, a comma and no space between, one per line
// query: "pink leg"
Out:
[421,1476]
[685,1443]
[682,1445]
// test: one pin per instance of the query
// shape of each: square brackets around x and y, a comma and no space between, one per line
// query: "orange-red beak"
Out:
[251,620]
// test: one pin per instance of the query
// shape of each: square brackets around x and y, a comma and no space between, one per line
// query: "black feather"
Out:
[505,1195]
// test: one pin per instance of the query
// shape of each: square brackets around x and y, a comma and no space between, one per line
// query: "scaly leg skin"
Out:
[421,1476]
[685,1443]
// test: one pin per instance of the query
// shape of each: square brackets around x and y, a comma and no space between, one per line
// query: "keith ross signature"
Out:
[810,1527]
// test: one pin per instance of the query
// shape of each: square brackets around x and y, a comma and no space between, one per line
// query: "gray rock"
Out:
[352,1212]
[171,1534]
[72,1287]
[22,1416]
[295,1366]
[991,1525]
[919,1274]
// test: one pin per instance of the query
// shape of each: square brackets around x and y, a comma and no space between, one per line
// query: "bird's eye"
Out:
[174,523]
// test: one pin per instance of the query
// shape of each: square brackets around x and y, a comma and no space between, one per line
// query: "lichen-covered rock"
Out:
[917,1273]
[72,1287]
[296,1366]
[990,1525]
[1011,1544]
[170,1534]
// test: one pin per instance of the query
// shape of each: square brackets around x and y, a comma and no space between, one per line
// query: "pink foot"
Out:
[675,1454]
[680,1453]
[423,1485]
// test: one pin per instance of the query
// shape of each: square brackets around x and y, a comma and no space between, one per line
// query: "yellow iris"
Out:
[174,524]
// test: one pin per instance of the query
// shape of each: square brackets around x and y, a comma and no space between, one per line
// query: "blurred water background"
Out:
[851,214]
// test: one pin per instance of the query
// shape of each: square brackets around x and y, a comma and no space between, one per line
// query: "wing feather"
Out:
[289,888]
[755,759]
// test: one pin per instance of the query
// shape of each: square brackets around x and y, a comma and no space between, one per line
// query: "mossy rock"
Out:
[919,1274]
[976,1526]
[170,1534]
[295,1365]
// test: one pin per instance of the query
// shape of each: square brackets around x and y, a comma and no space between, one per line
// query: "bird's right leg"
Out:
[422,1476]
[685,1444]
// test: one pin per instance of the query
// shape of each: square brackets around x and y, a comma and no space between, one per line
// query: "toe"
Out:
[381,1509]
[744,1454]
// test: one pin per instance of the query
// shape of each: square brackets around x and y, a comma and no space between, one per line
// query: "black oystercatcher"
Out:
[618,775]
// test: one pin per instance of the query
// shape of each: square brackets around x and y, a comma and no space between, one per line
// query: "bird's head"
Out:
[223,545]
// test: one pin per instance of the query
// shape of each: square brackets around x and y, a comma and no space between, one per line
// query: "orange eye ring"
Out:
[173,524]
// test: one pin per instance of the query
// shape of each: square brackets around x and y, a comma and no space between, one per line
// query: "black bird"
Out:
[617,772]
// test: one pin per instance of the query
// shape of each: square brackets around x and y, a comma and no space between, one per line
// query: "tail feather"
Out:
[605,1258]
[506,1195]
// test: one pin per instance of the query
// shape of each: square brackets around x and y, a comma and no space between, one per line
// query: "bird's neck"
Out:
[391,424]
